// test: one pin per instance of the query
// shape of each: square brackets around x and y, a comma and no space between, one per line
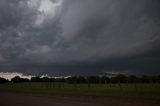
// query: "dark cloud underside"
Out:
[80,36]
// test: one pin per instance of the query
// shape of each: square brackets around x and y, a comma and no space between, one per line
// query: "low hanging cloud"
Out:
[77,36]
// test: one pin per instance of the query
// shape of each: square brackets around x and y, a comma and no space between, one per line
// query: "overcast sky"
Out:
[64,37]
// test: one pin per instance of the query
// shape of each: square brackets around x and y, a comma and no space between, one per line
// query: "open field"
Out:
[123,91]
[63,94]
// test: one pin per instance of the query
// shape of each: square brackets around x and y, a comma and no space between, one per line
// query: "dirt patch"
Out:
[21,99]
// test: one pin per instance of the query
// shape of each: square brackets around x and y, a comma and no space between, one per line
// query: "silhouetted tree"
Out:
[93,79]
[45,79]
[158,79]
[81,80]
[72,80]
[52,79]
[121,78]
[17,79]
[3,80]
[132,79]
[35,79]
[60,80]
[104,80]
[144,79]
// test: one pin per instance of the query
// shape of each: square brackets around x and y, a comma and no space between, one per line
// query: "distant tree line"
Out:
[3,80]
[117,79]
[90,79]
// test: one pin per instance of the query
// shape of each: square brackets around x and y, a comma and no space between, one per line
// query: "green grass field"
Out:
[124,91]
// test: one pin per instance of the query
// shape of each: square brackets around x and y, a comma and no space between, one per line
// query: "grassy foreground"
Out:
[123,91]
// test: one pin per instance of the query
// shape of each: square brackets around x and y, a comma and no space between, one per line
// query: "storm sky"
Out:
[63,37]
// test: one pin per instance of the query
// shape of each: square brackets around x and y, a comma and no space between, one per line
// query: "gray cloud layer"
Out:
[80,36]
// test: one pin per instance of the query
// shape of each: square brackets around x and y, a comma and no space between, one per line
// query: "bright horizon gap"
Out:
[10,75]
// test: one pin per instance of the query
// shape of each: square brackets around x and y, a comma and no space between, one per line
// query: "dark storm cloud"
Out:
[77,36]
[13,15]
[115,31]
